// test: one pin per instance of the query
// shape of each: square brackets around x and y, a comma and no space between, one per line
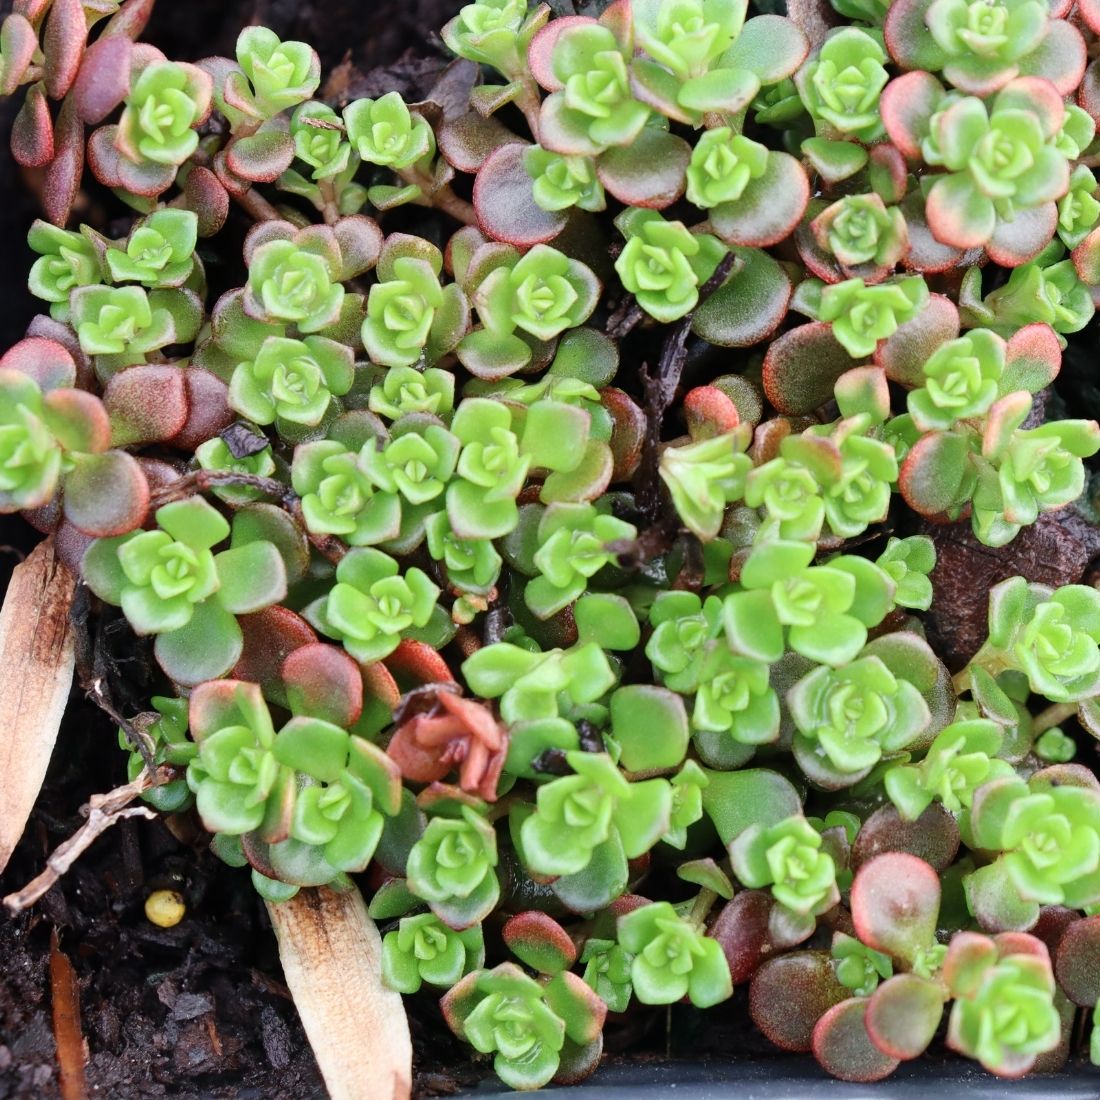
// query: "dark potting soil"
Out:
[200,1009]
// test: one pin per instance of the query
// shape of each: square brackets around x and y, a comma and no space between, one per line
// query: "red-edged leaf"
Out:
[18,42]
[270,636]
[1022,239]
[208,410]
[204,195]
[63,176]
[903,1015]
[1077,962]
[709,412]
[147,404]
[742,930]
[650,172]
[926,254]
[505,205]
[536,939]
[801,367]
[843,1048]
[46,361]
[1060,57]
[934,471]
[903,354]
[907,104]
[63,45]
[1032,360]
[322,681]
[130,19]
[933,837]
[261,158]
[895,903]
[908,38]
[414,663]
[541,51]
[627,432]
[106,494]
[768,209]
[467,141]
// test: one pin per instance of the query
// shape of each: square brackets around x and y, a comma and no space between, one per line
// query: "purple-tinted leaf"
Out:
[888,173]
[541,51]
[843,1048]
[147,404]
[208,410]
[742,930]
[360,242]
[933,837]
[895,904]
[106,494]
[104,78]
[749,306]
[790,993]
[62,180]
[32,132]
[204,195]
[63,45]
[1077,962]
[801,366]
[907,104]
[1086,259]
[505,205]
[130,19]
[1024,237]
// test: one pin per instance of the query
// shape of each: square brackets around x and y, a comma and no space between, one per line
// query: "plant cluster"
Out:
[543,562]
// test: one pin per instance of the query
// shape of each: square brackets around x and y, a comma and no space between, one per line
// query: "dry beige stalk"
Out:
[332,958]
[36,672]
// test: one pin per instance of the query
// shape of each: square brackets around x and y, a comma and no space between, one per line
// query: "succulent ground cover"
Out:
[535,522]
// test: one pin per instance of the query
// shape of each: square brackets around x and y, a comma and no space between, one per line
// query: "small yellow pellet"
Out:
[165,908]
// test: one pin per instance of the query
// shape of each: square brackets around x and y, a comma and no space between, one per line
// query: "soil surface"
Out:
[200,1009]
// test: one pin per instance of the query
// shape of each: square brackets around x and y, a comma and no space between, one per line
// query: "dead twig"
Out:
[103,811]
[67,1033]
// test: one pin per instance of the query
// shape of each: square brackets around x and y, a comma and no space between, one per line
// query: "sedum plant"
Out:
[551,523]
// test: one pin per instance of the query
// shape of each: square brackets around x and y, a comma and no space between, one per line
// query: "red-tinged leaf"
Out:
[62,180]
[843,1048]
[539,941]
[650,172]
[1060,57]
[1088,94]
[903,1015]
[926,254]
[1032,360]
[104,78]
[1077,962]
[103,158]
[44,327]
[360,242]
[146,179]
[749,306]
[63,45]
[505,205]
[933,837]
[709,412]
[46,361]
[130,19]
[934,472]
[106,494]
[1022,239]
[742,930]
[801,367]
[834,161]
[204,195]
[208,410]
[414,663]
[147,404]
[1002,420]
[322,681]
[888,173]
[233,183]
[895,904]
[262,157]
[906,106]
[380,684]
[627,432]
[1086,259]
[908,38]
[18,42]
[903,354]
[270,637]
[541,51]
[790,993]
[467,141]
[32,132]
[1089,10]
[78,420]
[768,209]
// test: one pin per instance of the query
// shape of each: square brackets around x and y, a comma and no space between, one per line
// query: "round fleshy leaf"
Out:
[907,105]
[769,208]
[63,176]
[46,361]
[754,796]
[208,647]
[322,681]
[742,930]
[651,726]
[104,78]
[801,367]
[205,196]
[1023,238]
[790,993]
[147,404]
[505,204]
[933,837]
[32,142]
[768,46]
[749,306]
[106,494]
[933,472]
[270,636]
[649,172]
[18,43]
[252,577]
[467,141]
[903,354]
[895,904]
[843,1048]
[903,1015]
[63,45]
[262,157]
[1077,962]
[536,939]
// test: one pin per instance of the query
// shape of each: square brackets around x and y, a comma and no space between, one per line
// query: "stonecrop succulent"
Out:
[551,523]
